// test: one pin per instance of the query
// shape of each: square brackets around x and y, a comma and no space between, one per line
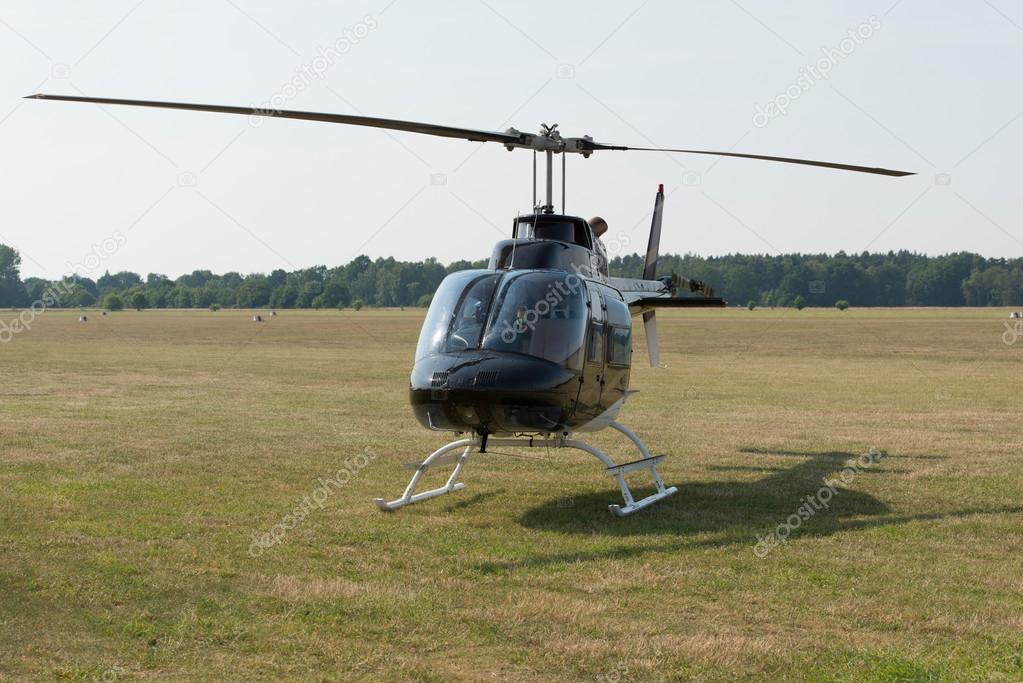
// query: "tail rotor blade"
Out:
[650,327]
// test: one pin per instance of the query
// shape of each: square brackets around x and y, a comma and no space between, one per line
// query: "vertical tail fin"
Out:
[654,244]
[650,273]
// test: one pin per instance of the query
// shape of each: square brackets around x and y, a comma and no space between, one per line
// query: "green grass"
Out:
[141,454]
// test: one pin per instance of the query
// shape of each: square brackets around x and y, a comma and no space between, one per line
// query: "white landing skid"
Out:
[647,462]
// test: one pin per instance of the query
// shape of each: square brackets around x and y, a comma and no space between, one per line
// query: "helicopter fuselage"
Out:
[539,342]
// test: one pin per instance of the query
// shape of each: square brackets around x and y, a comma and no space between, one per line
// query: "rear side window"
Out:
[617,311]
[620,348]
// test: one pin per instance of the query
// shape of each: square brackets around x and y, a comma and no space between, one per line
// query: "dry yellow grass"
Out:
[141,454]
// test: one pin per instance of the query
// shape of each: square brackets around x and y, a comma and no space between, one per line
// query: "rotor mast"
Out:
[549,206]
[550,142]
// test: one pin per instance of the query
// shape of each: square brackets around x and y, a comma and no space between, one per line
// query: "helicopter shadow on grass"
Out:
[475,500]
[716,506]
[724,513]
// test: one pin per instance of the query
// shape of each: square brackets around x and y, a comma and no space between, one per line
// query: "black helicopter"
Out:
[538,345]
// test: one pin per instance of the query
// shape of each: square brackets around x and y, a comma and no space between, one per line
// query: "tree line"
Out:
[891,279]
[885,279]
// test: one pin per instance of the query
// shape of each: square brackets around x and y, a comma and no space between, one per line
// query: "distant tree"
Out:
[357,304]
[138,300]
[277,278]
[181,297]
[799,303]
[310,290]
[12,291]
[425,301]
[202,297]
[231,280]
[10,263]
[35,288]
[842,304]
[254,292]
[215,306]
[113,302]
[284,296]
[160,295]
[227,297]
[121,281]
[458,265]
[336,294]
[751,304]
[81,297]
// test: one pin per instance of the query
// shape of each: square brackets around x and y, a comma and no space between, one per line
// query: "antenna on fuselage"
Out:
[515,237]
[534,181]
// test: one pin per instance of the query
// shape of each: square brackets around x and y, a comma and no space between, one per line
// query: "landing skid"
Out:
[647,462]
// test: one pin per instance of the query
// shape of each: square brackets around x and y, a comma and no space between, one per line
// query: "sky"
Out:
[907,84]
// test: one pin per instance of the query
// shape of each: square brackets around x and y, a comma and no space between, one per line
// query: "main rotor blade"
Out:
[370,121]
[784,160]
[507,138]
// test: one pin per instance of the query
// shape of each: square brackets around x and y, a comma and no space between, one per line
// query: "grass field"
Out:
[142,454]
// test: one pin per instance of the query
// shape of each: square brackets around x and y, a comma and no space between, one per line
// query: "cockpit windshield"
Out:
[457,313]
[540,314]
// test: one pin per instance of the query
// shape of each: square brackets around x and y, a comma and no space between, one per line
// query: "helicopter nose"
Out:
[485,391]
[488,372]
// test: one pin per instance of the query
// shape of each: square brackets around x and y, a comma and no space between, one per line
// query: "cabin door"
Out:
[592,378]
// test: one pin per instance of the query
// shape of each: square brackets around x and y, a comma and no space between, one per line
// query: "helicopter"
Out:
[536,347]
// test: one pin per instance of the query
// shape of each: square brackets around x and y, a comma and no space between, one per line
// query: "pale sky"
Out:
[933,88]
